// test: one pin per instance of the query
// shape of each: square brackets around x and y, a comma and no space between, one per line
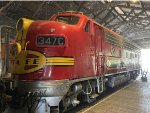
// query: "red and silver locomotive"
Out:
[66,60]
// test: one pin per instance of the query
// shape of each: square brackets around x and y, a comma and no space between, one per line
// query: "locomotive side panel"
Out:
[113,49]
[121,56]
[85,54]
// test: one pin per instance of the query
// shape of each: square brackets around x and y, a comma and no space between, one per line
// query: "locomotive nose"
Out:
[44,53]
[47,34]
[47,27]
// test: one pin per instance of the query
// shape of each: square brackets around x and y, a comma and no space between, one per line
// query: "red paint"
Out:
[87,48]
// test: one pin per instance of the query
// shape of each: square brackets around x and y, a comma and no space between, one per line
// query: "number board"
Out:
[51,40]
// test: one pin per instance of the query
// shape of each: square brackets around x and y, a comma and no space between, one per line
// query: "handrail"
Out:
[4,69]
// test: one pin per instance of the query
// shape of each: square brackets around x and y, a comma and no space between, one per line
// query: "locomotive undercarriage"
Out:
[38,97]
[88,90]
[53,96]
[117,79]
[83,90]
[60,96]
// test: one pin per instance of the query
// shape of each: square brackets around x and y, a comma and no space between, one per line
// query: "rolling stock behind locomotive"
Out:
[66,60]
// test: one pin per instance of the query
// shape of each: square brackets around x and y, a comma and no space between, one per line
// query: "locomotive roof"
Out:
[81,15]
[128,19]
[73,13]
[112,32]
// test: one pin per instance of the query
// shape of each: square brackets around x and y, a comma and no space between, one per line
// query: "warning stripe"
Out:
[59,61]
[51,61]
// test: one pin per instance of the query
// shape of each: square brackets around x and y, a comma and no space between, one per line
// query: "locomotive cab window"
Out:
[68,19]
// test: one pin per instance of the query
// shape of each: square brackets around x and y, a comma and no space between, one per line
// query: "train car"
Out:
[58,63]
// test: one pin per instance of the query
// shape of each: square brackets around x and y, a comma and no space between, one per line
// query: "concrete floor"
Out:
[134,98]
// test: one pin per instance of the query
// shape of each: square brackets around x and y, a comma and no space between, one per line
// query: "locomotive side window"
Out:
[87,27]
[68,19]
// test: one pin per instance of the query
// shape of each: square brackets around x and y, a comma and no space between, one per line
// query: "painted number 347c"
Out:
[50,40]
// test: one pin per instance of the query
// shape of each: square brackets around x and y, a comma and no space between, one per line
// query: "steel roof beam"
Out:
[110,20]
[128,15]
[60,7]
[119,15]
[107,6]
[36,12]
[137,39]
[80,6]
[108,14]
[131,20]
[96,15]
[131,7]
[85,8]
[5,7]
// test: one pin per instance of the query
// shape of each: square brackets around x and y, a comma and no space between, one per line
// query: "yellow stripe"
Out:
[51,61]
[59,58]
[54,63]
[55,60]
[59,61]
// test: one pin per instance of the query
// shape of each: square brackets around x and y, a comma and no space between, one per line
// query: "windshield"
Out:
[67,19]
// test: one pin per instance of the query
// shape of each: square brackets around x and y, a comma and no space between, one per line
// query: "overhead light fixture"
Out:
[119,10]
[109,0]
[103,1]
[134,1]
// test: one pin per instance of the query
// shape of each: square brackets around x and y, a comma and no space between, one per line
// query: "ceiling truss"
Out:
[132,21]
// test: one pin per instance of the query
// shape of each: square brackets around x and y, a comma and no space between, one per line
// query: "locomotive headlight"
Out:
[23,23]
[22,27]
[19,25]
[15,50]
